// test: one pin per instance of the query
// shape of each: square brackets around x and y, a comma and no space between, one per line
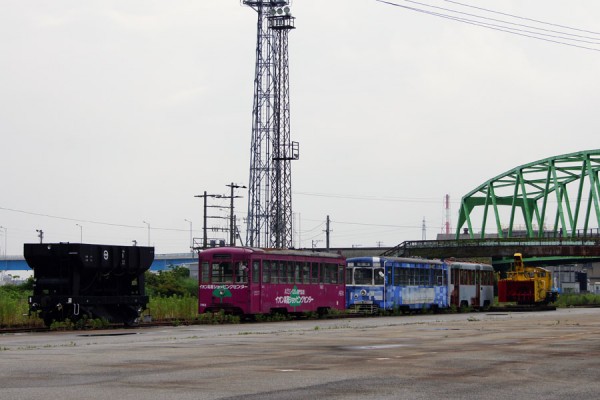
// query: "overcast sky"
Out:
[117,112]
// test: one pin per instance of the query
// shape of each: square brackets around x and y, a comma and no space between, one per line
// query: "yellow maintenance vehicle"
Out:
[526,285]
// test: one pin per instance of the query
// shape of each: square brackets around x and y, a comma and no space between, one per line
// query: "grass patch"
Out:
[14,308]
[574,300]
[218,318]
[183,309]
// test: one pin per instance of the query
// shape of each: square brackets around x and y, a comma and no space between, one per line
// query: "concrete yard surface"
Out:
[537,355]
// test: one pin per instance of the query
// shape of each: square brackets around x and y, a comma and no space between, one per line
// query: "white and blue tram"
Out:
[393,283]
[470,284]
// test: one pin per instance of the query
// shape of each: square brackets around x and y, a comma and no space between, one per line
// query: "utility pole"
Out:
[204,231]
[40,235]
[327,231]
[231,215]
[80,233]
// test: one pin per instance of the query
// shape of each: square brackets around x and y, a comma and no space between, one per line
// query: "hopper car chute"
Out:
[77,280]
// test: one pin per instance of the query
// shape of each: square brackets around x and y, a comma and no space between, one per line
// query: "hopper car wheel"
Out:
[49,317]
[130,317]
[132,322]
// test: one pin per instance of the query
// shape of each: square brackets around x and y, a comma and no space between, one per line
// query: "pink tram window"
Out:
[205,272]
[255,271]
[266,274]
[224,272]
[305,272]
[241,272]
[290,272]
[314,273]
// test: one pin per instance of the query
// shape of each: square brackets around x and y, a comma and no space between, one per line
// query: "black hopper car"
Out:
[77,280]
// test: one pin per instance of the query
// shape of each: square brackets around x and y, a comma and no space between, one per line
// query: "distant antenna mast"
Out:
[424,230]
[270,218]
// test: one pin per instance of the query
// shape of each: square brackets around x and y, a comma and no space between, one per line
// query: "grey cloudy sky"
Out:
[117,112]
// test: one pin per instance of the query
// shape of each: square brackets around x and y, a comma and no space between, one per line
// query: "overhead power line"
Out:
[380,225]
[315,228]
[372,198]
[90,221]
[533,32]
[501,21]
[523,18]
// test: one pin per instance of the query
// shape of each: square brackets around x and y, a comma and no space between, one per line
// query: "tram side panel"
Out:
[416,284]
[417,297]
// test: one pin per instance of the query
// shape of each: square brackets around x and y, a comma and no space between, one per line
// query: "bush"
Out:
[14,306]
[175,281]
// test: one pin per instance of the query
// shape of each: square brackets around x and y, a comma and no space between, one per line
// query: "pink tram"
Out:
[245,281]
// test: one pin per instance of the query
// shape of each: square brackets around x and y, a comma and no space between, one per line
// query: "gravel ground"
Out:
[539,355]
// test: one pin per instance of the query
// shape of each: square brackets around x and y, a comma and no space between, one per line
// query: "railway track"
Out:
[523,308]
[17,330]
[23,330]
[154,324]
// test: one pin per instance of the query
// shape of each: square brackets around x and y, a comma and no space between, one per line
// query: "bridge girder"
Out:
[548,251]
[564,188]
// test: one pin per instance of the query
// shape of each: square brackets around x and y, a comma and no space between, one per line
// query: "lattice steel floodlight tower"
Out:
[269,190]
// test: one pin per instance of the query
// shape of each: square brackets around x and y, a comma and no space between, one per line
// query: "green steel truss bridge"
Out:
[550,208]
[554,197]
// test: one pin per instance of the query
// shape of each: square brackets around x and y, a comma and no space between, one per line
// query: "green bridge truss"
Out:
[554,197]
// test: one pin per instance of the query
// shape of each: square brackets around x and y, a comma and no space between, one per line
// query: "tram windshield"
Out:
[363,276]
[224,272]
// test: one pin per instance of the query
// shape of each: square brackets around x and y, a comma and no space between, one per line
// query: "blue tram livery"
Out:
[392,283]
